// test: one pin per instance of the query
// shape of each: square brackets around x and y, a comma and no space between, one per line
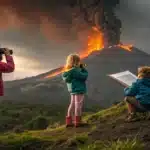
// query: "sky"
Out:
[42,38]
[134,15]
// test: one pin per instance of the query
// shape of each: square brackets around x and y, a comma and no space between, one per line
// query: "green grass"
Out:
[50,138]
[22,141]
[78,139]
[32,116]
[29,116]
[119,145]
[60,132]
[103,114]
[81,138]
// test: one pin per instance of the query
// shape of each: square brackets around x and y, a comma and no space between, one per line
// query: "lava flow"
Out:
[94,43]
[126,47]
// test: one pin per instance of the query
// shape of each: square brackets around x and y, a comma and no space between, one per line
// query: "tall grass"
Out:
[119,145]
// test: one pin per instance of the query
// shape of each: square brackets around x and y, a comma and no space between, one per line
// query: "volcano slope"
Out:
[106,131]
[101,89]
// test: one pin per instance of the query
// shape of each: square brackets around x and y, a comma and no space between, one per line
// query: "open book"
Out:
[126,78]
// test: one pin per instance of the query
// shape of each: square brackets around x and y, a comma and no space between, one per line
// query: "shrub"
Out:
[18,129]
[39,123]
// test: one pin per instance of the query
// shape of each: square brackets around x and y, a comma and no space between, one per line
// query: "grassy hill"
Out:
[15,116]
[22,116]
[106,131]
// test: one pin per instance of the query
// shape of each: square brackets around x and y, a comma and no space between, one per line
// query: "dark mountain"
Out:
[101,89]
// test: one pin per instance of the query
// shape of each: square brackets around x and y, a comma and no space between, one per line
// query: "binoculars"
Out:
[2,50]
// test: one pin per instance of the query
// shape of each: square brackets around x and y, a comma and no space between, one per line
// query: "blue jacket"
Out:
[75,79]
[140,89]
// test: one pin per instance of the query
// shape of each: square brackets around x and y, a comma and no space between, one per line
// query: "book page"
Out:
[126,77]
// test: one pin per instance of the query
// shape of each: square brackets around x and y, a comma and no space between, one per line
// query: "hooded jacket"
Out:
[75,79]
[141,90]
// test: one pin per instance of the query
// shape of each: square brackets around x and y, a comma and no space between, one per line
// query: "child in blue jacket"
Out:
[75,77]
[138,95]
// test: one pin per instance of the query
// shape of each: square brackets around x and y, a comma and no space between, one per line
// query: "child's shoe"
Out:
[78,122]
[132,117]
[69,121]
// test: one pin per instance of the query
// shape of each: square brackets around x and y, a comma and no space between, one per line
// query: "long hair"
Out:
[144,72]
[73,60]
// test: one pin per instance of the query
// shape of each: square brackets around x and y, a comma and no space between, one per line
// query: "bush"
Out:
[18,129]
[39,123]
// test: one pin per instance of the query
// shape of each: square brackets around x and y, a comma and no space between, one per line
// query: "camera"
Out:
[82,65]
[2,50]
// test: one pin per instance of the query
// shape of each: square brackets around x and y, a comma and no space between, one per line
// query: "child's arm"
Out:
[9,66]
[132,90]
[67,77]
[80,74]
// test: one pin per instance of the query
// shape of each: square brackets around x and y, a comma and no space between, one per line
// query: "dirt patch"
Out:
[121,130]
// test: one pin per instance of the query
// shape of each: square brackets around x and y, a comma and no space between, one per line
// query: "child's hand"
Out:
[82,65]
[139,77]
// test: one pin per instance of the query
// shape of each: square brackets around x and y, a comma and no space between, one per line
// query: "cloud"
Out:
[40,32]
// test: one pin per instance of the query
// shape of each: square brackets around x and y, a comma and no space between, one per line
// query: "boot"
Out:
[77,121]
[69,121]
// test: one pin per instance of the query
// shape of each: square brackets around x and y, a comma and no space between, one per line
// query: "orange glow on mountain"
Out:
[55,73]
[126,47]
[95,42]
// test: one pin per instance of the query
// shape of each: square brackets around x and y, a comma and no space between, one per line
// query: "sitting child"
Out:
[138,95]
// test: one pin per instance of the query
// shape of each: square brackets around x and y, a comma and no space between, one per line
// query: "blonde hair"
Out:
[73,60]
[144,72]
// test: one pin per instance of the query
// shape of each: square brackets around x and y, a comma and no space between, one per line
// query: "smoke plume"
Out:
[41,32]
[44,31]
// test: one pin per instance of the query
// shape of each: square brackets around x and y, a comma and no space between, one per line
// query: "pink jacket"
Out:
[5,68]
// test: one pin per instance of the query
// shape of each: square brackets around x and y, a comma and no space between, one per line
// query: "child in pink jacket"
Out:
[7,67]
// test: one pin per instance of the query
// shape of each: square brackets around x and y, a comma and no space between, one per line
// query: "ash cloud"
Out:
[40,31]
[43,32]
[52,18]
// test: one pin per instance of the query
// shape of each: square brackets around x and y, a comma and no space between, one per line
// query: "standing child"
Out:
[75,76]
[138,95]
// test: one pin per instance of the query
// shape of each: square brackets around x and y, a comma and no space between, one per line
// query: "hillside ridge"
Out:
[106,131]
[99,64]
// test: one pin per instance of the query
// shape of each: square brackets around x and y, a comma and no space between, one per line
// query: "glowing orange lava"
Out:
[55,73]
[95,42]
[126,47]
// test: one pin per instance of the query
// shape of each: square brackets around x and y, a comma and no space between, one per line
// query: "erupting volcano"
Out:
[95,42]
[102,90]
[103,53]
